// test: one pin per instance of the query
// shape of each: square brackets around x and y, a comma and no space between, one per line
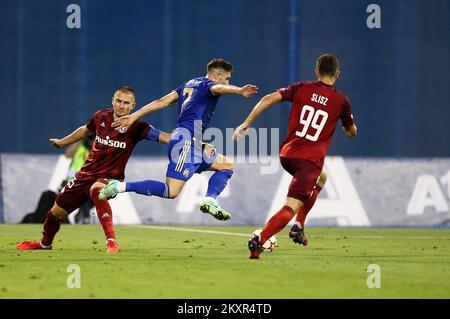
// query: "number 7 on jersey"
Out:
[188,92]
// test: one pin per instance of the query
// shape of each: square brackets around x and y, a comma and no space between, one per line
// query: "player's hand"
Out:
[248,90]
[123,122]
[239,132]
[56,143]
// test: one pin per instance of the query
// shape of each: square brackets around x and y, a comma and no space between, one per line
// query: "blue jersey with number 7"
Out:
[196,104]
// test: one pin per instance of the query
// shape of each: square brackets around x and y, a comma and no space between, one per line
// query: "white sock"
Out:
[43,246]
[209,198]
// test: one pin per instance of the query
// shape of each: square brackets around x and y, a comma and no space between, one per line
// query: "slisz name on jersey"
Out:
[319,99]
[108,142]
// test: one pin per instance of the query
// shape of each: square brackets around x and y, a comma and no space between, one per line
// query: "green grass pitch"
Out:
[167,263]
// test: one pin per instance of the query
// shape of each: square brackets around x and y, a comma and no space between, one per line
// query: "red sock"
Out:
[104,213]
[277,223]
[301,216]
[51,227]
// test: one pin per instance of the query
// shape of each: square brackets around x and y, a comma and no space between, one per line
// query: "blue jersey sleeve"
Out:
[179,90]
[208,85]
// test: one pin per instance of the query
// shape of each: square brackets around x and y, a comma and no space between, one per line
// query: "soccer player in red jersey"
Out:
[316,108]
[107,160]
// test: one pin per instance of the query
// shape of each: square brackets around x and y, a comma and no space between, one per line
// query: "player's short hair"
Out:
[327,64]
[219,64]
[126,89]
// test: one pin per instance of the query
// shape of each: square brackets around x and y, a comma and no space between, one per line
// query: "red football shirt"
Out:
[316,108]
[111,149]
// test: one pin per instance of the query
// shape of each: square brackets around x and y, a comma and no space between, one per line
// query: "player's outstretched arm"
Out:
[156,135]
[71,150]
[77,135]
[260,107]
[164,137]
[350,131]
[246,91]
[153,106]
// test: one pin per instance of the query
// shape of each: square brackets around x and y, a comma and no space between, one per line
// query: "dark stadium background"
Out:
[53,78]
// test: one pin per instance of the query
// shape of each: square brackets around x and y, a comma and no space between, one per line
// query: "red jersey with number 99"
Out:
[316,108]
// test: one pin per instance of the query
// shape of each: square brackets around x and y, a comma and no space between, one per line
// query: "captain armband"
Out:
[153,134]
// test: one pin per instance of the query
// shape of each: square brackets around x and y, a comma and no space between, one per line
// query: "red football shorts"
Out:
[76,192]
[304,177]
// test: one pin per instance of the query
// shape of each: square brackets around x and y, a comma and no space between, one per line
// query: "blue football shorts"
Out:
[186,157]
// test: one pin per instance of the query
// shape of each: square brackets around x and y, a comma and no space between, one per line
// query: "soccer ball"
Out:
[270,243]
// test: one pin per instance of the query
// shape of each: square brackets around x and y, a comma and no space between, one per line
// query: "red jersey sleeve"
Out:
[288,93]
[141,130]
[346,115]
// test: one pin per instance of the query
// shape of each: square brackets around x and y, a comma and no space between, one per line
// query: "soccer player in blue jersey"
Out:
[196,99]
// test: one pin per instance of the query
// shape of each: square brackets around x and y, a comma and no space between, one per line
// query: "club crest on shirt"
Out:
[122,130]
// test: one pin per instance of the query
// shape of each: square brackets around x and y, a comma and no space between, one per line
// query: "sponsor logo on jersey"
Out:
[108,142]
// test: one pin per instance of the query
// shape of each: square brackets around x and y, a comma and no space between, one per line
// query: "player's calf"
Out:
[52,225]
[104,211]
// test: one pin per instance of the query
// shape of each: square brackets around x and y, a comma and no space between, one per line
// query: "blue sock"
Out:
[217,182]
[148,188]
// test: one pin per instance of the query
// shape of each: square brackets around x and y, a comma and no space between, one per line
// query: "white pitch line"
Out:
[383,237]
[216,232]
[195,230]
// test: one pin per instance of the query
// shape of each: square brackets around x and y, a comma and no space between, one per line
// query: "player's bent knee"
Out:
[294,208]
[58,212]
[294,204]
[174,187]
[174,191]
[227,163]
[230,164]
[95,189]
[322,179]
[174,194]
